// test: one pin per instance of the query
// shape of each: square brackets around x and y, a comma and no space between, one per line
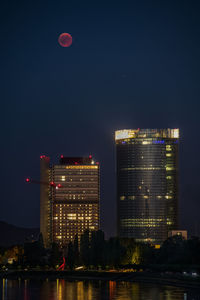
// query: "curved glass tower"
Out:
[147,183]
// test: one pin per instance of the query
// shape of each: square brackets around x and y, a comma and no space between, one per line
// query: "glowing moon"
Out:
[65,39]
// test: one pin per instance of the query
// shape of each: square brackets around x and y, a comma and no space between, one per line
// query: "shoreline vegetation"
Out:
[176,262]
[143,277]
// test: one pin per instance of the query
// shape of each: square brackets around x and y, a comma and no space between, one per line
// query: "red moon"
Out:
[65,39]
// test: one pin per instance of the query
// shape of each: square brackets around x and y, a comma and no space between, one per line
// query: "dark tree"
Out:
[172,251]
[40,241]
[55,255]
[97,248]
[76,251]
[192,255]
[34,253]
[115,252]
[70,256]
[85,248]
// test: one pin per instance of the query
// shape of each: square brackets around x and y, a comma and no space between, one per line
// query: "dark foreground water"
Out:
[61,289]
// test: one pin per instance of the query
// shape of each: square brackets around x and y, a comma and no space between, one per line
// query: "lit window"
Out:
[175,133]
[169,168]
[168,147]
[146,142]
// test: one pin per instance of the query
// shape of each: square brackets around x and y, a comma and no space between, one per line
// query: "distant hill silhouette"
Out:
[13,235]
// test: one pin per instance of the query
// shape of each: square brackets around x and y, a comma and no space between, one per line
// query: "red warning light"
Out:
[42,156]
[61,156]
[90,156]
[76,163]
[52,183]
[97,163]
[27,179]
[59,185]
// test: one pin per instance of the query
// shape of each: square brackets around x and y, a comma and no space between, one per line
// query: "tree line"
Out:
[95,252]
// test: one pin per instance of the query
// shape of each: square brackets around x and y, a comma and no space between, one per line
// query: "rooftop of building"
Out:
[146,133]
[64,160]
[72,161]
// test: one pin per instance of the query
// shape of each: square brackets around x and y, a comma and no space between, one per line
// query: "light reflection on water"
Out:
[61,289]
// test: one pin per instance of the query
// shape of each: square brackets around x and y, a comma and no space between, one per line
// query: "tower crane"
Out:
[51,183]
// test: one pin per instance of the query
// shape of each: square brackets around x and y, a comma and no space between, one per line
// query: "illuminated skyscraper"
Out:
[70,198]
[147,183]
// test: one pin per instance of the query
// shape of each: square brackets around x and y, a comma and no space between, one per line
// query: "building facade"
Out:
[182,233]
[70,201]
[147,183]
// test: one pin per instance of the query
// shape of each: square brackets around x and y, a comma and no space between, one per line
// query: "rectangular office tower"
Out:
[69,198]
[147,183]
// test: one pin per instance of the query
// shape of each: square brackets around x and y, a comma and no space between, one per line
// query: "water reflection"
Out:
[3,289]
[61,289]
[112,289]
[26,290]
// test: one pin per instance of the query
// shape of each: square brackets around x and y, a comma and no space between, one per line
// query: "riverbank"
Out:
[143,277]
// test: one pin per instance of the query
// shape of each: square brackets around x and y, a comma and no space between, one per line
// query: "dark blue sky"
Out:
[132,64]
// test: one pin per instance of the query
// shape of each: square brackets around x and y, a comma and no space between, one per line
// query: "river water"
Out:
[61,289]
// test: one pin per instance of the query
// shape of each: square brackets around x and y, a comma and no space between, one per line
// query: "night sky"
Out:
[132,64]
